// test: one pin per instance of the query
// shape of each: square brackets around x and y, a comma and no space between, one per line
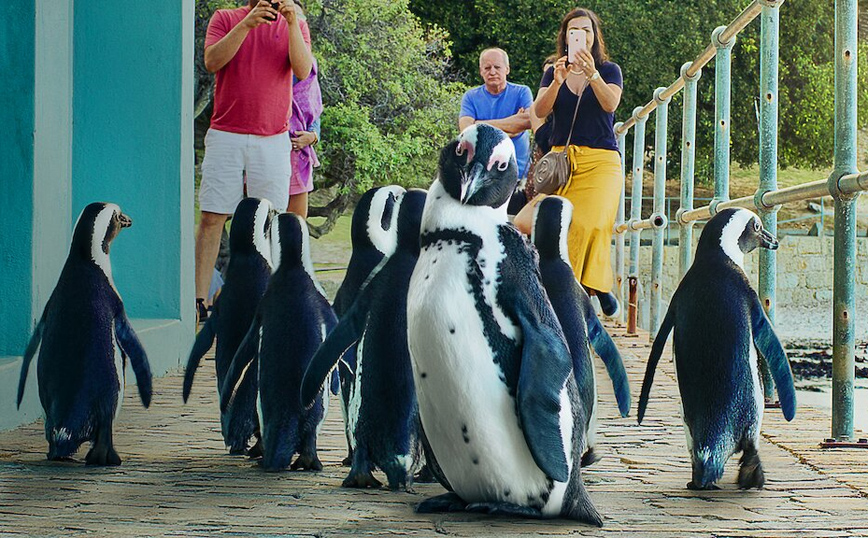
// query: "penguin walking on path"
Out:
[246,279]
[292,320]
[85,339]
[720,326]
[497,396]
[383,412]
[573,307]
[374,236]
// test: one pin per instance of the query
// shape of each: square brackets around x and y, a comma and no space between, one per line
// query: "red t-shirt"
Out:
[253,92]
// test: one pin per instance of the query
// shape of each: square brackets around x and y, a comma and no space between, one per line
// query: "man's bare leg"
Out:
[207,247]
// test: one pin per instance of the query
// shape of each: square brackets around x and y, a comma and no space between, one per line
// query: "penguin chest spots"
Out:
[467,411]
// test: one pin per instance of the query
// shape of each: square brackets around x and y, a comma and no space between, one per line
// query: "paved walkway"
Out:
[177,480]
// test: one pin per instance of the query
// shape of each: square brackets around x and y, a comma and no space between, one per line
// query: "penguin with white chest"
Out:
[720,326]
[494,378]
[572,305]
[374,236]
[383,413]
[246,280]
[85,339]
[292,320]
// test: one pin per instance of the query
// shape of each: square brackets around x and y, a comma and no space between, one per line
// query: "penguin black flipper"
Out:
[204,341]
[244,355]
[32,346]
[546,363]
[605,347]
[768,345]
[132,347]
[346,333]
[654,358]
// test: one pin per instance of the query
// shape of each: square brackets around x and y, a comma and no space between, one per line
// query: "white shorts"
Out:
[266,159]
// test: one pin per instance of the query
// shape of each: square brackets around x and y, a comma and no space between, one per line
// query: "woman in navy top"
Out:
[594,187]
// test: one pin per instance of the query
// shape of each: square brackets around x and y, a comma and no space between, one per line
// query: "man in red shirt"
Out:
[254,52]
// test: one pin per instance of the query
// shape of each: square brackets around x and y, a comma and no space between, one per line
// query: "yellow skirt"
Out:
[594,188]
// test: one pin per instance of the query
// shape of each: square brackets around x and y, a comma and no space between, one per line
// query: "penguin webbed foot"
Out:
[505,509]
[306,462]
[750,471]
[709,487]
[361,480]
[590,457]
[448,502]
[102,455]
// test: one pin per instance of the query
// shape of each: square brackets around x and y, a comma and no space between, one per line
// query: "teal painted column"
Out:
[722,97]
[636,194]
[52,156]
[688,161]
[620,239]
[768,163]
[17,44]
[127,141]
[659,211]
[843,328]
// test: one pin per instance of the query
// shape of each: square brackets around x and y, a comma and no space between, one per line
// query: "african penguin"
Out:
[373,237]
[85,340]
[573,307]
[292,320]
[494,378]
[246,279]
[383,413]
[720,326]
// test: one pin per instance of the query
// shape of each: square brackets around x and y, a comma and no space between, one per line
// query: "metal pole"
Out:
[688,159]
[843,331]
[768,162]
[660,150]
[619,238]
[722,95]
[636,199]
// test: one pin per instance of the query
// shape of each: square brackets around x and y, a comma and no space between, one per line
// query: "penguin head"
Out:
[736,232]
[375,217]
[551,223]
[290,245]
[251,226]
[479,167]
[97,226]
[410,219]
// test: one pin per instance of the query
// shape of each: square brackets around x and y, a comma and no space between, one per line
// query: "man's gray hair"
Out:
[495,49]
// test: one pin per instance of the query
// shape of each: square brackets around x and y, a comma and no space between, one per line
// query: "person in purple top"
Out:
[500,103]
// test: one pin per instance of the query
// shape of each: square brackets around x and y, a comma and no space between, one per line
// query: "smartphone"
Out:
[276,7]
[576,40]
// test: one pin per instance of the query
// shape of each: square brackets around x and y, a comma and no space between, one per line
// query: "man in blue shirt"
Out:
[500,103]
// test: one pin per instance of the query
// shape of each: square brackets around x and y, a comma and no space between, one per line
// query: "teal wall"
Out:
[127,67]
[95,104]
[16,173]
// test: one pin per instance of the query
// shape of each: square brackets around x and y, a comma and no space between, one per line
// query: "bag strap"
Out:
[575,113]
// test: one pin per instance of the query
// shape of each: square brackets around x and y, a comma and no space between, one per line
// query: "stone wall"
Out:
[805,272]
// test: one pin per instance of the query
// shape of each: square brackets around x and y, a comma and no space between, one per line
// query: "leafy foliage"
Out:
[651,39]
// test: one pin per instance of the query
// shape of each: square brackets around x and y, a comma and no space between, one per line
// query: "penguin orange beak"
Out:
[768,241]
[472,182]
[126,221]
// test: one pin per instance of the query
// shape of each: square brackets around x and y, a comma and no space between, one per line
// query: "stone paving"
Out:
[178,480]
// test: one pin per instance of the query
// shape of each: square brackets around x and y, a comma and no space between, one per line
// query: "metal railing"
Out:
[843,184]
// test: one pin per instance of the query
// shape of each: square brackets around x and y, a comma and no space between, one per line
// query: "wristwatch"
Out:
[595,76]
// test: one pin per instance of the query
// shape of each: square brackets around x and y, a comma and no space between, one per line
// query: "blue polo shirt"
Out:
[479,104]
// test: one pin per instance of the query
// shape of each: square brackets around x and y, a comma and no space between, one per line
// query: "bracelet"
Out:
[595,76]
